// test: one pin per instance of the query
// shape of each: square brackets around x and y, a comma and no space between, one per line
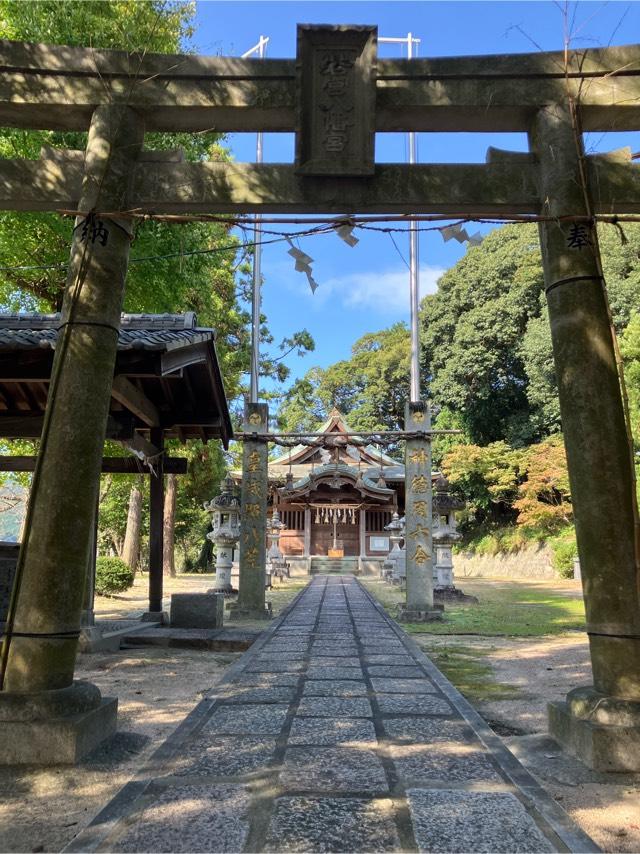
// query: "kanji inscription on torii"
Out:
[336,100]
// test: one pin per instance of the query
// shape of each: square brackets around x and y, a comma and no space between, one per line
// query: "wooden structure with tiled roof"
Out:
[336,499]
[167,384]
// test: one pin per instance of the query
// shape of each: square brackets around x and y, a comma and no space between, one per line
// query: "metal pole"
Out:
[414,274]
[414,285]
[260,49]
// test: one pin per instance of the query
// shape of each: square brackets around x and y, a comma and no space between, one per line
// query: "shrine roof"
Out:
[337,475]
[167,375]
[20,331]
[335,423]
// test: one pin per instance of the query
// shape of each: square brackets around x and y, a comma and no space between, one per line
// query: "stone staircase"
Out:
[322,565]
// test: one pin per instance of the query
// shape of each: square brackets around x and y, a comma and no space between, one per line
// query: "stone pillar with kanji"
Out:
[419,605]
[253,527]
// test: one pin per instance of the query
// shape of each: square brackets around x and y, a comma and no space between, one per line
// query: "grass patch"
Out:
[505,609]
[473,677]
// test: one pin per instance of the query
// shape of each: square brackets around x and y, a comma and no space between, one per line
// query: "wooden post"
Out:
[363,533]
[42,637]
[156,524]
[307,531]
[598,455]
[88,616]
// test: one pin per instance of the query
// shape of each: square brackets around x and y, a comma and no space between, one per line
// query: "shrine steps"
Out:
[322,565]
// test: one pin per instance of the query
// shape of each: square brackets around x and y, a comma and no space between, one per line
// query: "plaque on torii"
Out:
[336,100]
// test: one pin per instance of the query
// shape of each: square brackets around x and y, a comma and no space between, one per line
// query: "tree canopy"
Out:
[371,387]
[486,342]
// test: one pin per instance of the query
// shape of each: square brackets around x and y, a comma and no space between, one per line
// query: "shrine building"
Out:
[335,500]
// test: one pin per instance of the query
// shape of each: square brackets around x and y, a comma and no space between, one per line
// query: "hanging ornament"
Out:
[344,230]
[457,232]
[476,239]
[303,264]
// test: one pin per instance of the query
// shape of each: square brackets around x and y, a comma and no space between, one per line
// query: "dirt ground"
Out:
[535,671]
[43,809]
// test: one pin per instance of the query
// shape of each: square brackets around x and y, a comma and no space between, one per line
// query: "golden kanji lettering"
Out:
[420,508]
[420,531]
[421,555]
[419,483]
[252,511]
[253,462]
[251,555]
[418,456]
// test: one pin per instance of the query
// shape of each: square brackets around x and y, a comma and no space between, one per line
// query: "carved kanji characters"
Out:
[419,484]
[420,531]
[420,508]
[421,555]
[418,456]
[253,462]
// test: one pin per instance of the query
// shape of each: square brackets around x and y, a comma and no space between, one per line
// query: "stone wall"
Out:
[530,562]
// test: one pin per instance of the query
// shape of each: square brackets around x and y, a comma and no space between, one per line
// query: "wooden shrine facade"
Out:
[336,500]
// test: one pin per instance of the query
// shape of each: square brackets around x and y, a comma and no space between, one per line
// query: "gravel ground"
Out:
[606,806]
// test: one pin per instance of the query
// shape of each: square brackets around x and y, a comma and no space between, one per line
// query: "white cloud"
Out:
[386,291]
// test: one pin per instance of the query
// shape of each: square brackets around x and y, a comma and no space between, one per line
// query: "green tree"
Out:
[486,342]
[370,388]
[487,478]
[212,283]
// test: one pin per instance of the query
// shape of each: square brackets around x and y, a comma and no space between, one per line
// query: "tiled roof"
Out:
[137,331]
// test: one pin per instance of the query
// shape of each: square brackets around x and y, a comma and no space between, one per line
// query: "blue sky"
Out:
[365,288]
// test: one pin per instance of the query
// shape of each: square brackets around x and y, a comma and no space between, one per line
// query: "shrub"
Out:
[112,575]
[564,549]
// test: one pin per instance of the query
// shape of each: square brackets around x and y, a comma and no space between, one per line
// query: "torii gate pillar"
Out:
[46,717]
[601,725]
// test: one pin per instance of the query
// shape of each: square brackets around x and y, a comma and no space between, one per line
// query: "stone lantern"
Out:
[276,565]
[445,533]
[395,566]
[225,524]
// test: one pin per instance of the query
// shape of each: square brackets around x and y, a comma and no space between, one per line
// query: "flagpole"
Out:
[260,49]
[414,268]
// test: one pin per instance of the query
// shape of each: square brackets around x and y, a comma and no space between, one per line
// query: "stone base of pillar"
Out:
[407,614]
[55,727]
[239,612]
[89,637]
[453,594]
[602,732]
[155,617]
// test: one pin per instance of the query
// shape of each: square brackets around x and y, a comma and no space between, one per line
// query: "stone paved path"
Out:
[333,733]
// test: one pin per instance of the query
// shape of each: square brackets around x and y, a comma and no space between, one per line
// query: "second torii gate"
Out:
[335,96]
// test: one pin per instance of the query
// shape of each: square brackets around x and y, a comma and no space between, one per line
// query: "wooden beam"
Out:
[156,529]
[110,465]
[29,426]
[126,393]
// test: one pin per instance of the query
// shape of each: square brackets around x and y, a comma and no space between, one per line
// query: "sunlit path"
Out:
[333,733]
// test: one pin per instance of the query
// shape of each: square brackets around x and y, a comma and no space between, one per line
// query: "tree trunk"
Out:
[131,548]
[168,557]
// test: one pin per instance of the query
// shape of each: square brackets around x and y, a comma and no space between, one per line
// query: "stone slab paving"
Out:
[333,733]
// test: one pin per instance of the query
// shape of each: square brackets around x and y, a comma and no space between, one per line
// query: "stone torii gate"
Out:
[336,95]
